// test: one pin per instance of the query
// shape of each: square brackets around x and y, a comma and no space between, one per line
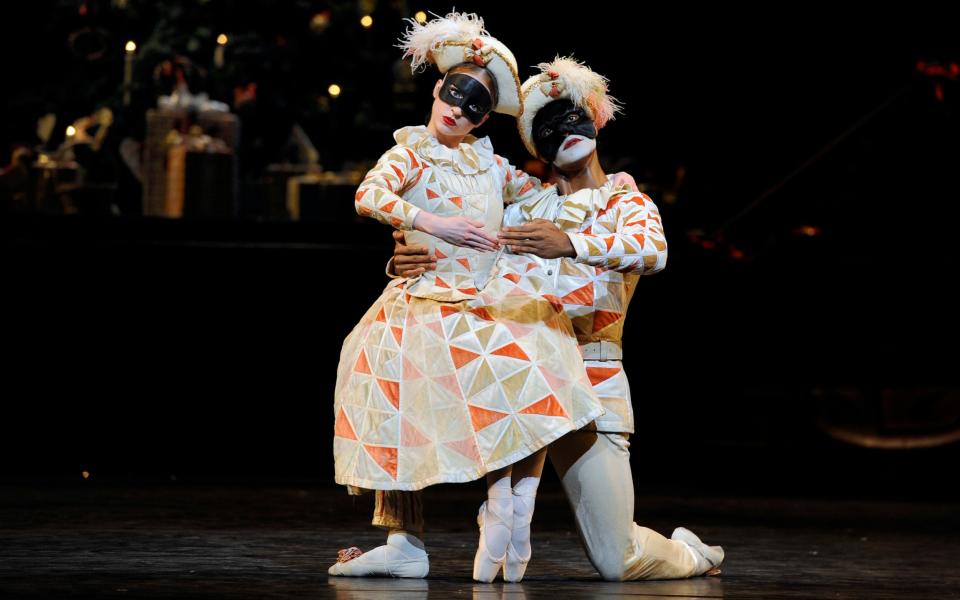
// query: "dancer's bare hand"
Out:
[539,237]
[459,231]
[412,260]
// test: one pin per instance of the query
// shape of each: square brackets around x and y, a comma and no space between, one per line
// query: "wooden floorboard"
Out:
[247,542]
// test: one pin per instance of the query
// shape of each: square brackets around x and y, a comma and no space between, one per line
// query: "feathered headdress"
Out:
[570,79]
[458,38]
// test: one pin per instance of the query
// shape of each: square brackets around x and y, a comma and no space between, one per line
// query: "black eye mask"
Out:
[554,122]
[469,94]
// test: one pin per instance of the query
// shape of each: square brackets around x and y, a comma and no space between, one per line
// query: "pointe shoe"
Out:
[485,566]
[708,557]
[382,561]
[515,566]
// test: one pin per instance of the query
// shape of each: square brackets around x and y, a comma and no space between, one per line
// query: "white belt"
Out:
[601,350]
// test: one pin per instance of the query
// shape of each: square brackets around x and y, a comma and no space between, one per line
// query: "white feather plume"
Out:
[421,39]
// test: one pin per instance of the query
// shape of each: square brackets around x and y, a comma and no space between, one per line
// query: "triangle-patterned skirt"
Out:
[442,392]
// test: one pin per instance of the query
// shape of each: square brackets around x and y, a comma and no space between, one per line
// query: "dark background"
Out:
[148,350]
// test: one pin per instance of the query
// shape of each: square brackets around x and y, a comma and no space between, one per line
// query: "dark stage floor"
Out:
[177,542]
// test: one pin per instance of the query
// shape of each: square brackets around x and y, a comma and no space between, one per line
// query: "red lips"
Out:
[571,143]
[449,122]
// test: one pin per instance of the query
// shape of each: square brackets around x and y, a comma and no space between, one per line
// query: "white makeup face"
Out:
[574,149]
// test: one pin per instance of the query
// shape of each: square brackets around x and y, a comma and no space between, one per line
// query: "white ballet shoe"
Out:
[486,566]
[515,566]
[708,558]
[382,561]
[519,550]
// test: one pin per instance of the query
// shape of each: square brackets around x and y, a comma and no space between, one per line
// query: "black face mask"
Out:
[554,122]
[469,94]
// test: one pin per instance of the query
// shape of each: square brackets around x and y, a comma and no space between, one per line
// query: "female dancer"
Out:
[470,369]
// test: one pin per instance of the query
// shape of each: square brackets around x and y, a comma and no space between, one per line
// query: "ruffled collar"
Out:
[472,156]
[575,207]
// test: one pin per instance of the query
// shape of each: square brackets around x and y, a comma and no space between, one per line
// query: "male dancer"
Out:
[600,239]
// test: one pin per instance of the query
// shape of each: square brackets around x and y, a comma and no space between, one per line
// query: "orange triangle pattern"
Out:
[483,313]
[512,350]
[582,296]
[602,318]
[343,428]
[385,457]
[413,160]
[482,417]
[461,356]
[362,365]
[391,389]
[555,302]
[549,406]
[600,374]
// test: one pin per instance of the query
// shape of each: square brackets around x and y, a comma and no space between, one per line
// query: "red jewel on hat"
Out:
[553,74]
[554,91]
[478,59]
[477,43]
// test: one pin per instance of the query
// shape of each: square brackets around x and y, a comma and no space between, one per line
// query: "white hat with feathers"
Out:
[458,38]
[565,78]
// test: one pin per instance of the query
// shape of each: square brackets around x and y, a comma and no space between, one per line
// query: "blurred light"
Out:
[222,39]
[86,474]
[421,17]
[366,21]
[737,254]
[43,159]
[334,90]
[131,46]
[71,131]
[320,21]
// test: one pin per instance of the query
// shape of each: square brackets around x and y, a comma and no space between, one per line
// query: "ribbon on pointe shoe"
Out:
[348,554]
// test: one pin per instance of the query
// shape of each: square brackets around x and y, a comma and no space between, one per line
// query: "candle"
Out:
[131,48]
[218,53]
